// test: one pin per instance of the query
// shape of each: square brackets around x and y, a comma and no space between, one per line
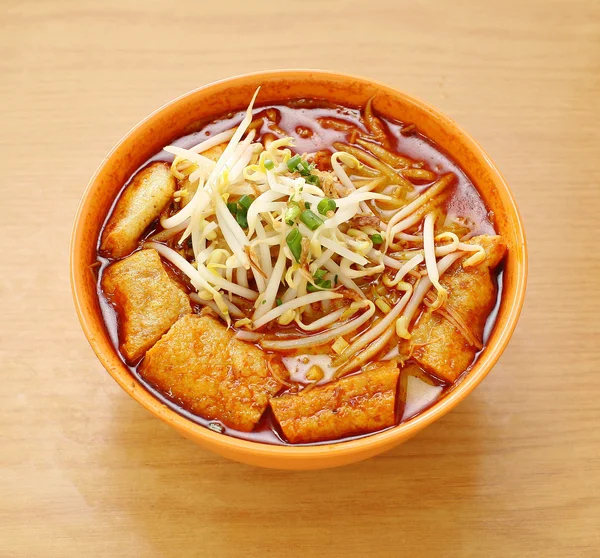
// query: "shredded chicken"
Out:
[364,220]
[305,251]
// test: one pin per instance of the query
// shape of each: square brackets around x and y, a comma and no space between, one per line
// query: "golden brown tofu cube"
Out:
[148,194]
[215,152]
[358,404]
[472,293]
[148,302]
[202,366]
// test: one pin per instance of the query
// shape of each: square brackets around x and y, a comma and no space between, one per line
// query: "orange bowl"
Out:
[178,118]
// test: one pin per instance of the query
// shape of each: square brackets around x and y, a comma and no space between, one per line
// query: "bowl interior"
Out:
[182,116]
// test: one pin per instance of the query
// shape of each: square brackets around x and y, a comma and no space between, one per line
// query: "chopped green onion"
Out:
[246,201]
[326,205]
[269,165]
[232,206]
[242,218]
[306,205]
[311,220]
[303,168]
[377,238]
[294,242]
[335,280]
[313,179]
[278,301]
[293,163]
[318,286]
[292,213]
[319,281]
[319,274]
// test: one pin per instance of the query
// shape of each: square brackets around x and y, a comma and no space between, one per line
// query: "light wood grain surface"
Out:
[514,471]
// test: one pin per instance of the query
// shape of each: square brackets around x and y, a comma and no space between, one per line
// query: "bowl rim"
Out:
[386,438]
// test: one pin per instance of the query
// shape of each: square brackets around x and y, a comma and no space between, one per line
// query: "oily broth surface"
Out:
[293,121]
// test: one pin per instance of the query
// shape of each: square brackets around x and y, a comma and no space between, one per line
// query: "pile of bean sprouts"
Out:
[264,235]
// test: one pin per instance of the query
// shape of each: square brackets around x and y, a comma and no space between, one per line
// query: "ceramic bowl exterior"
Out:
[178,118]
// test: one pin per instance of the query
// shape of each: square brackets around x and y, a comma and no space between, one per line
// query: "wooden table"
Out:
[514,471]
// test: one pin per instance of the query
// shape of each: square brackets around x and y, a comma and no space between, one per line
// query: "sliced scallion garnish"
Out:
[292,213]
[313,179]
[293,163]
[246,201]
[294,242]
[326,205]
[319,274]
[242,219]
[311,220]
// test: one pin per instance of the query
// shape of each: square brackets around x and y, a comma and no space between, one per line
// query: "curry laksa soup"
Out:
[300,273]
